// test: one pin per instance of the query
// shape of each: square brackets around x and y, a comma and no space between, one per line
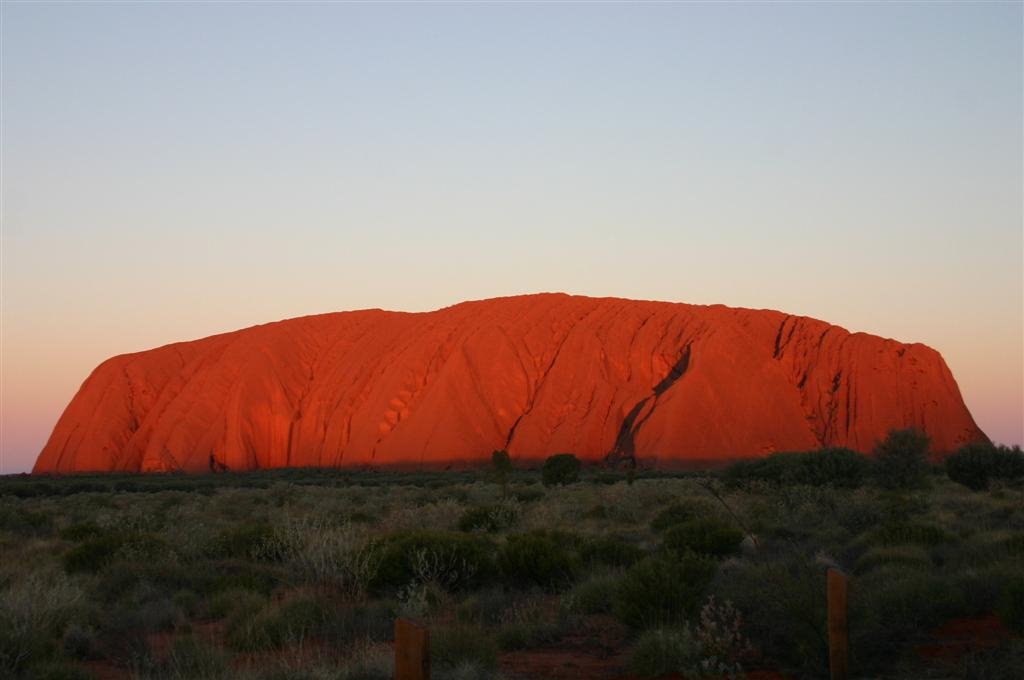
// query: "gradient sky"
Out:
[173,170]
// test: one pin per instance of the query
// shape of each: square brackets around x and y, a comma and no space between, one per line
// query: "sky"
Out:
[175,170]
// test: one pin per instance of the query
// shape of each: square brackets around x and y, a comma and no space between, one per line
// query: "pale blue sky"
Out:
[172,170]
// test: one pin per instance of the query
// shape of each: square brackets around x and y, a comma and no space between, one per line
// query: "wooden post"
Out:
[838,643]
[412,651]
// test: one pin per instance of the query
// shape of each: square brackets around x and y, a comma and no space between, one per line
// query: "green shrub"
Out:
[561,469]
[901,460]
[895,604]
[489,518]
[80,532]
[679,512]
[662,651]
[707,536]
[835,467]
[97,552]
[659,591]
[233,601]
[245,542]
[452,560]
[977,465]
[594,595]
[536,558]
[609,551]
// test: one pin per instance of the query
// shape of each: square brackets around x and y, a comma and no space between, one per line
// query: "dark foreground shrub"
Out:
[453,560]
[836,467]
[662,651]
[977,465]
[245,542]
[706,536]
[1011,605]
[901,460]
[609,551]
[97,552]
[660,591]
[536,559]
[459,646]
[489,518]
[561,468]
[679,512]
[909,533]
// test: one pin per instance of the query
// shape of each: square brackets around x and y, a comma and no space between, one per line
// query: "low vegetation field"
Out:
[517,573]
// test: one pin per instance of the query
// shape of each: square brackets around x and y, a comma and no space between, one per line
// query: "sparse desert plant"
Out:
[561,469]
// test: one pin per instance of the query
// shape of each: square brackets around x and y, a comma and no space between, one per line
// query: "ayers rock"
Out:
[603,378]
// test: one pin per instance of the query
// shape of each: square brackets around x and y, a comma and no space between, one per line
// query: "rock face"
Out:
[536,375]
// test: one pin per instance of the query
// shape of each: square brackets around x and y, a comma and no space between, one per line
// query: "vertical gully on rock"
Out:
[625,444]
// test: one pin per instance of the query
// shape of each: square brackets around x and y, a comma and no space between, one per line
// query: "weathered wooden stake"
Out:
[412,651]
[838,644]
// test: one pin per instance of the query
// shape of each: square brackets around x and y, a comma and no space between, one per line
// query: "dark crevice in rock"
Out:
[625,442]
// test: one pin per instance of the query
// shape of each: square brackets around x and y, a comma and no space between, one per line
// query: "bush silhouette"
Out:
[977,465]
[660,591]
[536,559]
[561,468]
[901,460]
[706,536]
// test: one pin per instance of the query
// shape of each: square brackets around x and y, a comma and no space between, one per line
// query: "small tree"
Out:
[502,465]
[901,460]
[561,468]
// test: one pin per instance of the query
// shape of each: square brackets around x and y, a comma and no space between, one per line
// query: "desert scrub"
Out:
[318,552]
[910,556]
[836,467]
[661,651]
[249,541]
[706,536]
[527,623]
[909,533]
[537,559]
[781,597]
[33,613]
[662,591]
[452,560]
[594,594]
[456,646]
[609,551]
[679,512]
[977,465]
[98,551]
[490,518]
